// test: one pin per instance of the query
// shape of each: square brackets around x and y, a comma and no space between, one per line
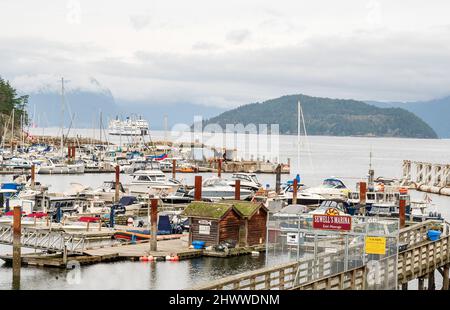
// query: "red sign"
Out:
[332,222]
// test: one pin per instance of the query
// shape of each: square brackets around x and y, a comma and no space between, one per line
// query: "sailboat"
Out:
[58,165]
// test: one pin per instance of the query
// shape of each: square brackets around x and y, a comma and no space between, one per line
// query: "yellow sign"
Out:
[375,245]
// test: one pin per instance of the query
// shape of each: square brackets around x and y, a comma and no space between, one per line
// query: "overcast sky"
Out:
[227,53]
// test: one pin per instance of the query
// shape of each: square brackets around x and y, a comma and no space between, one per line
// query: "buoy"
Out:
[130,221]
[174,258]
[143,258]
[150,258]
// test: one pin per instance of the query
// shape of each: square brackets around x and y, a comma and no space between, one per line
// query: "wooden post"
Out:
[198,188]
[237,190]
[73,151]
[116,194]
[294,191]
[33,176]
[421,281]
[431,284]
[402,213]
[17,231]
[278,179]
[219,168]
[445,278]
[154,223]
[69,152]
[174,168]
[362,197]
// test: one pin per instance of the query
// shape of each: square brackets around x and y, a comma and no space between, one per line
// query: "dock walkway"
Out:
[419,261]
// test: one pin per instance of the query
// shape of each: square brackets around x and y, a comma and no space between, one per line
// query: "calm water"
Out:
[344,157]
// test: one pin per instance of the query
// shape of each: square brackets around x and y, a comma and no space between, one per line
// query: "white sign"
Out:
[204,222]
[203,229]
[292,238]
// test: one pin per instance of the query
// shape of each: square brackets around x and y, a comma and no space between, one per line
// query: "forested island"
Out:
[329,117]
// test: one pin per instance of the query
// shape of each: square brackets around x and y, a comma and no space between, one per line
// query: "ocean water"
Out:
[345,157]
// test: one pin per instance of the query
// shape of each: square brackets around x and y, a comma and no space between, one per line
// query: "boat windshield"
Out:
[331,204]
[215,182]
[333,183]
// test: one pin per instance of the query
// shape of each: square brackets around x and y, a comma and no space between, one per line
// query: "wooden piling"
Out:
[445,277]
[219,168]
[278,179]
[17,231]
[402,212]
[33,176]
[174,168]
[154,224]
[294,191]
[237,190]
[431,283]
[421,283]
[117,184]
[198,188]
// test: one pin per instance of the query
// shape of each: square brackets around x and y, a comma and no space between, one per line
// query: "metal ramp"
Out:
[47,239]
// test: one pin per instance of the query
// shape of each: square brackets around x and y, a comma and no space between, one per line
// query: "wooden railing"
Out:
[420,260]
[320,273]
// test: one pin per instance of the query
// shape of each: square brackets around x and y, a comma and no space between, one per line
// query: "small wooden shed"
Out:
[253,222]
[212,222]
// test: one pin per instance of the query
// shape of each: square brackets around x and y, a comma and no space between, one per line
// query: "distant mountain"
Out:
[86,106]
[325,116]
[434,112]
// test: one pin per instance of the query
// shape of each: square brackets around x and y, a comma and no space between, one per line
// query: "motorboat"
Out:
[248,180]
[303,197]
[128,204]
[144,180]
[331,188]
[53,166]
[107,191]
[179,197]
[219,189]
[17,163]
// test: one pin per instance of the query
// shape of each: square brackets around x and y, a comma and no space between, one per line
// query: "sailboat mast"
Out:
[62,117]
[298,134]
[12,131]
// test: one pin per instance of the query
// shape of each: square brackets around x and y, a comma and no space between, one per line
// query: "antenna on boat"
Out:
[301,118]
[62,117]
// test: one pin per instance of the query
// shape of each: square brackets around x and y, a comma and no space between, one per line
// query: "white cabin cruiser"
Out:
[331,188]
[248,181]
[218,189]
[55,167]
[144,180]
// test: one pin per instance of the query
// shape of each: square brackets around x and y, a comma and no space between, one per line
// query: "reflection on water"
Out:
[133,275]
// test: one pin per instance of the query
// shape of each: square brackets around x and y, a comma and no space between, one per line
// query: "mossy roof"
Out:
[207,209]
[246,208]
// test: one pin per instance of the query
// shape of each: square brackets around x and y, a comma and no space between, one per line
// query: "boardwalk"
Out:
[419,260]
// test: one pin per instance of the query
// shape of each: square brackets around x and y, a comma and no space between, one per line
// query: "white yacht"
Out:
[144,181]
[218,189]
[331,188]
[53,166]
[248,181]
[134,126]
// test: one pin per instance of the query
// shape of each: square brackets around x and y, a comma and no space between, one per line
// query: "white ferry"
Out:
[131,126]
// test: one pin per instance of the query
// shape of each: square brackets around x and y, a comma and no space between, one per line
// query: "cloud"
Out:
[238,36]
[205,46]
[376,65]
[139,22]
